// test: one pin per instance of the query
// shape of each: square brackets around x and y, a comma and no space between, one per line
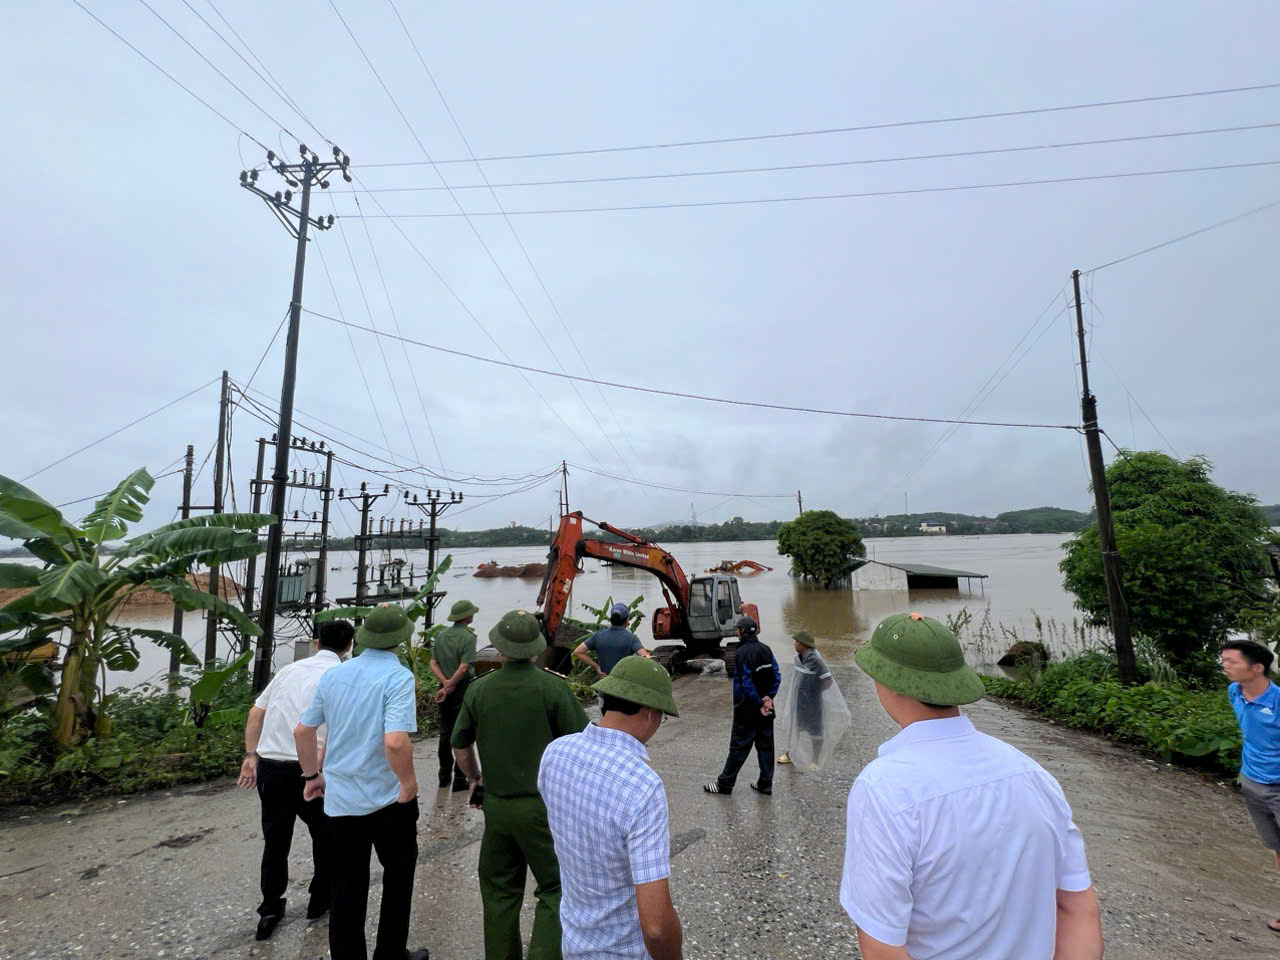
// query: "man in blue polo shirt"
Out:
[1256,701]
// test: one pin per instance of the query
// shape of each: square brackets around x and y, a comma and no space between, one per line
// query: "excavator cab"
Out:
[714,607]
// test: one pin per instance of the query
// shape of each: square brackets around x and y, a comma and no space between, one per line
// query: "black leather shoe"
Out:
[444,780]
[767,791]
[317,908]
[460,785]
[423,954]
[267,925]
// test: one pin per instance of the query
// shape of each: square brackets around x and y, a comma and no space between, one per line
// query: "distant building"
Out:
[933,528]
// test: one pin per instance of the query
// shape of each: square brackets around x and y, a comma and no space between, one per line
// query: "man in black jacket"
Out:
[755,682]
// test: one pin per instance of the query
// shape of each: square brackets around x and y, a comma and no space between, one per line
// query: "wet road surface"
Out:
[1178,869]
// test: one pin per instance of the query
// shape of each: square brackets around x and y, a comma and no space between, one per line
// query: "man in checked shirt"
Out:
[608,815]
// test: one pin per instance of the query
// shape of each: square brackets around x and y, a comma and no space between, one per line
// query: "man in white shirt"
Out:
[958,846]
[271,764]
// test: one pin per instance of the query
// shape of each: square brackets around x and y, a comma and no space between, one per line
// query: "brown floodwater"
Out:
[1022,582]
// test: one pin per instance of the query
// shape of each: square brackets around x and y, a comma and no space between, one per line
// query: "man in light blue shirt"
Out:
[369,786]
[1256,702]
[611,643]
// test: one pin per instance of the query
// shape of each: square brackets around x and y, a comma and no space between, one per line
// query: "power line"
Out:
[781,168]
[852,129]
[474,229]
[386,292]
[274,87]
[131,423]
[1185,236]
[687,396]
[191,93]
[705,493]
[215,69]
[377,415]
[395,392]
[99,496]
[905,191]
[555,307]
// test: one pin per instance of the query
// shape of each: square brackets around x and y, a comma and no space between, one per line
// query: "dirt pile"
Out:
[227,588]
[526,571]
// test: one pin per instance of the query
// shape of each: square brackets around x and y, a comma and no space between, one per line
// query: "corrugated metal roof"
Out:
[928,570]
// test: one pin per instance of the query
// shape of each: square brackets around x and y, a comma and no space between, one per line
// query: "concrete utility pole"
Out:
[1118,611]
[564,488]
[219,464]
[305,174]
[799,504]
[433,508]
[175,662]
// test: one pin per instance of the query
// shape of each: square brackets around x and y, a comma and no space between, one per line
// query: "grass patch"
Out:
[1193,727]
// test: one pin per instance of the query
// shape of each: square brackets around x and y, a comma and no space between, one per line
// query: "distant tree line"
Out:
[1035,520]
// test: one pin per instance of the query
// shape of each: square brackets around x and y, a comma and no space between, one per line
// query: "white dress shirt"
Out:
[286,696]
[956,845]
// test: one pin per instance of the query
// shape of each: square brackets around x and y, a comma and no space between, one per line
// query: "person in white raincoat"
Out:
[815,709]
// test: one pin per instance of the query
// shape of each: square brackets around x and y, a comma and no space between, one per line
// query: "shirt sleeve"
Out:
[1072,867]
[649,840]
[399,712]
[591,642]
[875,888]
[636,644]
[569,716]
[468,653]
[314,716]
[464,728]
[264,698]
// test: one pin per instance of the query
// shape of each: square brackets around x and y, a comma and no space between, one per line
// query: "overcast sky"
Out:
[135,268]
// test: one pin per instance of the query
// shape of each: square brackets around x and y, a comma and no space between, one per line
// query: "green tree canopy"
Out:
[1192,556]
[822,545]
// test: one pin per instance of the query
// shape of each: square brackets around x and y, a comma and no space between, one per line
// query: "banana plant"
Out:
[74,599]
[410,652]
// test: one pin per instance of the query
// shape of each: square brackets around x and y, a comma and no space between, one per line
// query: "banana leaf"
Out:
[188,540]
[210,684]
[68,584]
[26,509]
[170,641]
[119,652]
[235,521]
[342,613]
[420,604]
[189,598]
[111,516]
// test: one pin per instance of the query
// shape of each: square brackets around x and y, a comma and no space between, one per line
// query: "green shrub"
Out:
[1193,727]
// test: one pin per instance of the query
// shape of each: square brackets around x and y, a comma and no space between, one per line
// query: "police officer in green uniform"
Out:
[452,654]
[510,715]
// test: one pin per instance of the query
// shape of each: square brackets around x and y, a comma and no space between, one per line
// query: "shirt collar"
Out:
[327,654]
[922,731]
[1268,697]
[617,739]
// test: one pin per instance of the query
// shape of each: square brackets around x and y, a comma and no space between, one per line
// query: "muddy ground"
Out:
[174,874]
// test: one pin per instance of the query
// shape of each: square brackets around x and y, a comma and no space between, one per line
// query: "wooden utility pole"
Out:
[311,171]
[1118,611]
[175,662]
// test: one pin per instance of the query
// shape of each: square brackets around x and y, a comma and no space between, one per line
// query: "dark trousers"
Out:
[391,833]
[280,791]
[449,709]
[749,727]
[516,841]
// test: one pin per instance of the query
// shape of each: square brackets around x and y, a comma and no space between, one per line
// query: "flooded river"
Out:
[1022,581]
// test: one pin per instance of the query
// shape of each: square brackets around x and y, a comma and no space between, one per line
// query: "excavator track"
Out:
[675,656]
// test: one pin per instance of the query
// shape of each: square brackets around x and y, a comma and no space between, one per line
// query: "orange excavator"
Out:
[700,613]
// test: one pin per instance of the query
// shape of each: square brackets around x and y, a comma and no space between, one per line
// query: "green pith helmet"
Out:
[463,609]
[386,627]
[920,658]
[805,637]
[518,636]
[640,680]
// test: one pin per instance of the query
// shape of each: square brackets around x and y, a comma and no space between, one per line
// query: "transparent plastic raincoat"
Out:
[815,711]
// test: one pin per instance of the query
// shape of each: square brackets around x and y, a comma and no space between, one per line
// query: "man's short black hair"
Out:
[335,635]
[1253,652]
[618,705]
[618,619]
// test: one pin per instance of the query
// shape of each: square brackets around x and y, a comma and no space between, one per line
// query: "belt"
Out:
[279,763]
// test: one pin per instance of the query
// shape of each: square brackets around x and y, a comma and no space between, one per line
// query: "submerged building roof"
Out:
[926,569]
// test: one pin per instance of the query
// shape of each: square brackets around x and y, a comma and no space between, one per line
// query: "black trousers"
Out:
[449,709]
[750,727]
[280,792]
[391,833]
